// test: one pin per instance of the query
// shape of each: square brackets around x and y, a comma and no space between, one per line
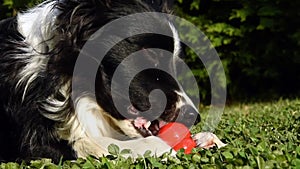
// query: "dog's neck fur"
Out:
[90,125]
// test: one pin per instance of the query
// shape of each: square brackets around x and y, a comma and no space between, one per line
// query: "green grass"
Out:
[259,135]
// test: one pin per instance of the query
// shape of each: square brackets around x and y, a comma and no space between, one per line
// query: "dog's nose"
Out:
[189,115]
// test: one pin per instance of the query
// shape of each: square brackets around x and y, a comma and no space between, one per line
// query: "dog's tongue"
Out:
[147,127]
[141,122]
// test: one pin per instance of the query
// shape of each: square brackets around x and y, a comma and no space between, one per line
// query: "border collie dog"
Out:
[43,116]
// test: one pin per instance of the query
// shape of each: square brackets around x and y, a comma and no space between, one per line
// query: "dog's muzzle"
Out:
[186,115]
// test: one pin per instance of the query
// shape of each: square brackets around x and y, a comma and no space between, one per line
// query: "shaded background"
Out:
[258,42]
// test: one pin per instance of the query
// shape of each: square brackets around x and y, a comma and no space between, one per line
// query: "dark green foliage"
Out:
[9,8]
[258,42]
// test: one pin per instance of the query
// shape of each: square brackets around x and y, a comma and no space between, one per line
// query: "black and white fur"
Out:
[39,116]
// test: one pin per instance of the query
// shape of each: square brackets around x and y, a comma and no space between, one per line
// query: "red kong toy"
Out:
[177,136]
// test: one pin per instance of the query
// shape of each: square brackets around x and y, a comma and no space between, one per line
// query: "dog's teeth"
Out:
[147,125]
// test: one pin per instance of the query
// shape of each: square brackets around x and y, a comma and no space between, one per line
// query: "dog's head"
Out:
[151,94]
[137,78]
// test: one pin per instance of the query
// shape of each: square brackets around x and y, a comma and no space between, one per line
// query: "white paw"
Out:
[208,140]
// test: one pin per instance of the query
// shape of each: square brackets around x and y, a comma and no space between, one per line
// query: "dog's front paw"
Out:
[207,140]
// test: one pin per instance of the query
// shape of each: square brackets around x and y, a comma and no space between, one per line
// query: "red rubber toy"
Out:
[177,136]
[187,144]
